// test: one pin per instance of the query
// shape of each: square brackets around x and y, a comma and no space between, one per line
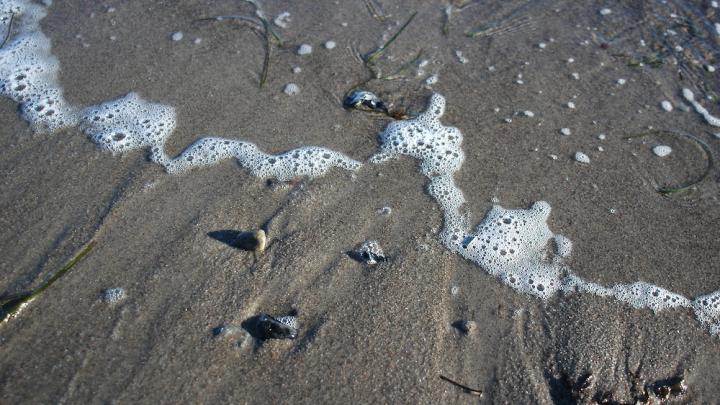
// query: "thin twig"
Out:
[467,389]
[7,34]
[372,56]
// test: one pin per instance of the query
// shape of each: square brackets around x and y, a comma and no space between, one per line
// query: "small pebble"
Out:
[461,58]
[662,150]
[601,137]
[570,104]
[385,211]
[605,11]
[291,89]
[542,45]
[581,157]
[565,131]
[571,60]
[621,81]
[296,69]
[304,49]
[576,76]
[528,113]
[666,105]
[330,45]
[431,80]
[177,36]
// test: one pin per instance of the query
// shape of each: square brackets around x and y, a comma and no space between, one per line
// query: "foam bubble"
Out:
[291,89]
[690,97]
[662,150]
[707,311]
[514,245]
[304,49]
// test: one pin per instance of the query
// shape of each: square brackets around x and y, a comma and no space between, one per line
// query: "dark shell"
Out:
[271,328]
[365,100]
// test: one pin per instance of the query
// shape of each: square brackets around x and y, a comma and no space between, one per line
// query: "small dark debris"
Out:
[464,326]
[670,388]
[369,253]
[254,241]
[464,387]
[264,327]
[365,101]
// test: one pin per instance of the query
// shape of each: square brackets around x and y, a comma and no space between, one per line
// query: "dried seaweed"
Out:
[11,307]
[261,25]
[374,55]
[7,34]
[689,185]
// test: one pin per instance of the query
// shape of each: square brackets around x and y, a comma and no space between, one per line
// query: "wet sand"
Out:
[367,334]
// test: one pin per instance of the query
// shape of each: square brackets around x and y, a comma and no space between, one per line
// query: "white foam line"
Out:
[29,76]
[690,97]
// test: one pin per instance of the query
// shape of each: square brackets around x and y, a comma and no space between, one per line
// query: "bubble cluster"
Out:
[129,123]
[707,311]
[515,246]
[424,138]
[29,71]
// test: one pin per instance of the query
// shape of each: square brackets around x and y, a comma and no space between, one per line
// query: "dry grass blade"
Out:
[261,25]
[374,55]
[7,34]
[11,307]
[375,10]
[400,73]
[496,28]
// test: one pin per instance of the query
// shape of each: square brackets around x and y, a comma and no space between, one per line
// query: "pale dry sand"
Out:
[379,334]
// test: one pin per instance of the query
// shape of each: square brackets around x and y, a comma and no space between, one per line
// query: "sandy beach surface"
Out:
[383,333]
